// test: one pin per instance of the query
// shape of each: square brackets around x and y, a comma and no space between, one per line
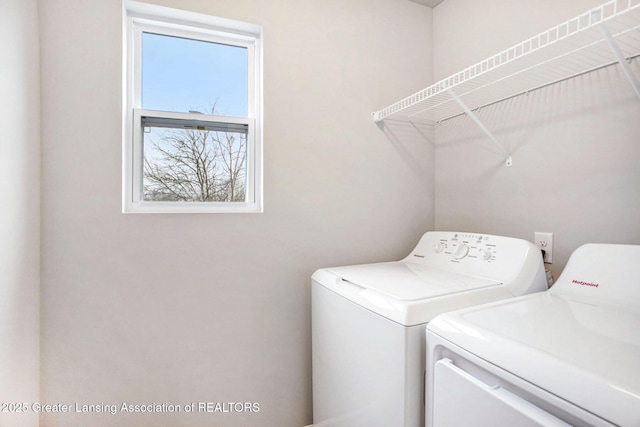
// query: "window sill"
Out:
[190,207]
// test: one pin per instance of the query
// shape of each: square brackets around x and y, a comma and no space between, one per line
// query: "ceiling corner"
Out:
[429,3]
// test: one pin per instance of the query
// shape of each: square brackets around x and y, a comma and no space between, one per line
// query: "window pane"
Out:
[193,165]
[183,75]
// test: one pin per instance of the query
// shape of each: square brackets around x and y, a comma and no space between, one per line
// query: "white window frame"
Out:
[142,17]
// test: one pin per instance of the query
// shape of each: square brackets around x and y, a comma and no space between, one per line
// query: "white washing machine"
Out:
[368,321]
[568,356]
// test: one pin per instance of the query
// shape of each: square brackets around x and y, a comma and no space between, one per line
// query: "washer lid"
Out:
[586,354]
[406,281]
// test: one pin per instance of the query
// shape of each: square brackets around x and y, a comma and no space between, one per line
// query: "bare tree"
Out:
[234,158]
[194,165]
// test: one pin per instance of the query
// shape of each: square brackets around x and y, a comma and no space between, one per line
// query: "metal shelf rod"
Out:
[533,89]
[571,45]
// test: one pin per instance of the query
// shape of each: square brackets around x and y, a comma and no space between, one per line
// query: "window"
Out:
[193,131]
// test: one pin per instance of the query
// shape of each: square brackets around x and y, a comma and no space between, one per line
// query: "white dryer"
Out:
[368,321]
[568,356]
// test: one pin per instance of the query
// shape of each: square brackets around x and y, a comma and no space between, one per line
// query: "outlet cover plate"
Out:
[545,242]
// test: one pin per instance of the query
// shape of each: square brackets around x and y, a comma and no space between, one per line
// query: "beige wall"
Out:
[575,146]
[20,209]
[216,308]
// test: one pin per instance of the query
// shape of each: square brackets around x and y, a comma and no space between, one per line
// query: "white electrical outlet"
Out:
[545,242]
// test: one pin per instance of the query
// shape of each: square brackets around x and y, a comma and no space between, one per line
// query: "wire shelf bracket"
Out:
[481,125]
[617,52]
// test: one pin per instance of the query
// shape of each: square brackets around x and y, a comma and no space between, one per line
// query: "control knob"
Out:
[461,252]
[486,254]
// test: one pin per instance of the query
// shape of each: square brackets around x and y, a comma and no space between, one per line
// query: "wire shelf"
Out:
[575,47]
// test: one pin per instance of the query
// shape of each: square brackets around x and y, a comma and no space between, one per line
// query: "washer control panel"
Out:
[505,259]
[473,253]
[458,246]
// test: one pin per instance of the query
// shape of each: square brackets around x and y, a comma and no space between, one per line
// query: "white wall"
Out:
[575,146]
[20,212]
[216,308]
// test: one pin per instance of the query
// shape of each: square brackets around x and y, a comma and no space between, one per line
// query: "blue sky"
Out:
[181,75]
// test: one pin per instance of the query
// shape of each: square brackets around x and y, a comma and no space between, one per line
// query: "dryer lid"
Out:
[406,281]
[586,354]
